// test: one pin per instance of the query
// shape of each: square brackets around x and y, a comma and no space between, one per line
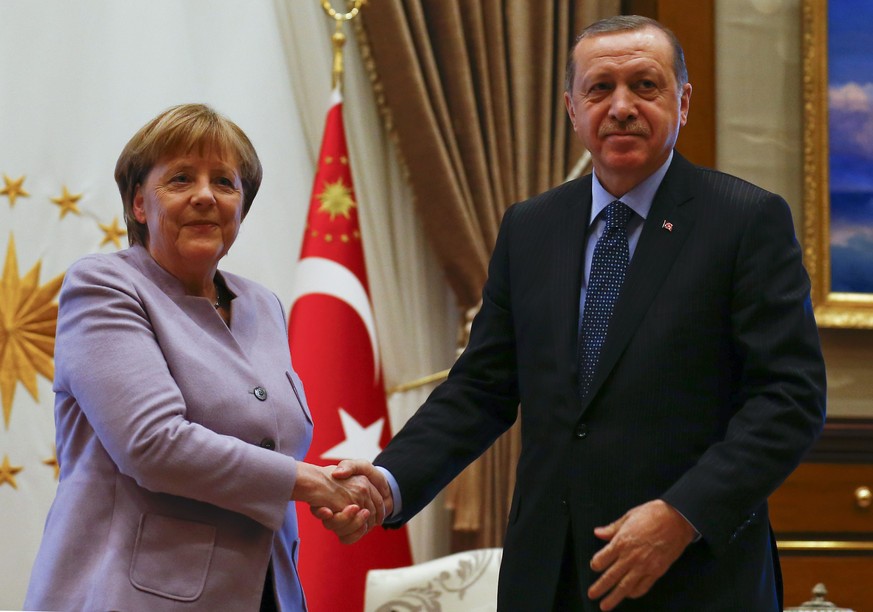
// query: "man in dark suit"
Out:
[654,323]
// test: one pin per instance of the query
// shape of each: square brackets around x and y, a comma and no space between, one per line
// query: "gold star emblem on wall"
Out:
[52,462]
[13,189]
[8,472]
[336,199]
[28,318]
[68,202]
[112,233]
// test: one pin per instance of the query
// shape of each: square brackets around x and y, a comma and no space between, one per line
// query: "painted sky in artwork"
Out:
[850,94]
[850,107]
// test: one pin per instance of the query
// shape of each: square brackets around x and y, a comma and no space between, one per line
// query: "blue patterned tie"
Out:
[608,267]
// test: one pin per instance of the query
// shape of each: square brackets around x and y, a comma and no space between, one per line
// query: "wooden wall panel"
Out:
[824,527]
[823,498]
[847,579]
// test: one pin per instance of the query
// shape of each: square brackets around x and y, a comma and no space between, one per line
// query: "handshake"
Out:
[349,499]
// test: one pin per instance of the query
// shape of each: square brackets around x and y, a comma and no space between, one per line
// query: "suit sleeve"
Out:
[111,365]
[779,382]
[466,413]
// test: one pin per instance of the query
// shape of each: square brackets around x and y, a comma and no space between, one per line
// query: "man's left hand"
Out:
[643,544]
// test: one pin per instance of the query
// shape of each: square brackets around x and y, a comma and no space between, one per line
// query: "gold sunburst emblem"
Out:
[28,319]
[336,199]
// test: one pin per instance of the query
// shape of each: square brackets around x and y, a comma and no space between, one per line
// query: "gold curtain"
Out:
[472,93]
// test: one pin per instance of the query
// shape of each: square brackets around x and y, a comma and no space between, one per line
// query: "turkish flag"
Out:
[333,343]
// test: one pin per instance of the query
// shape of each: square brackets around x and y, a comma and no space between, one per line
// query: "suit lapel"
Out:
[570,237]
[656,251]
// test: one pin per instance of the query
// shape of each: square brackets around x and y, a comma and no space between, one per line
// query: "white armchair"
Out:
[462,582]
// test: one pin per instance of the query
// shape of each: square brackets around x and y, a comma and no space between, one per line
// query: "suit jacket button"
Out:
[565,506]
[260,393]
[268,443]
[581,430]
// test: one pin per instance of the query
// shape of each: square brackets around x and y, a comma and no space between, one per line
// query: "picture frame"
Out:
[836,238]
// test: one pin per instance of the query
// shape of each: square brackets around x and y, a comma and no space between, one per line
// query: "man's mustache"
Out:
[623,128]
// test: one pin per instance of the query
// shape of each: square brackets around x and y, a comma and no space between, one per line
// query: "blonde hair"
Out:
[180,130]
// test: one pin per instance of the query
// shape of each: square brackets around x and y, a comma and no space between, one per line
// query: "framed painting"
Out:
[838,160]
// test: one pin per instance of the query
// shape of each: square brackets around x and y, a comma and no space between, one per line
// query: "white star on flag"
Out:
[360,443]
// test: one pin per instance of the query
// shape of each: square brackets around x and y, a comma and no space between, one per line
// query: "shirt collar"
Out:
[639,198]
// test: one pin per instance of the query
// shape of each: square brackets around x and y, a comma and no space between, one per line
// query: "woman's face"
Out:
[192,206]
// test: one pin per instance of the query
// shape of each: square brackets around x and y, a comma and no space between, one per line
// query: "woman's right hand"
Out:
[316,487]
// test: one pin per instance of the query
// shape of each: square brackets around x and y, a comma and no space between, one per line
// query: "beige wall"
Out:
[759,124]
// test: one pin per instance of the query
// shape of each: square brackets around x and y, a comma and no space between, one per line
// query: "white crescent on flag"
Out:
[319,275]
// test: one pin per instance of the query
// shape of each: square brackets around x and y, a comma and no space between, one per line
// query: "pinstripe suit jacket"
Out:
[709,389]
[170,497]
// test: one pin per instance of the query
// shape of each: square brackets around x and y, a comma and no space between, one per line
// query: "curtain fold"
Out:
[472,93]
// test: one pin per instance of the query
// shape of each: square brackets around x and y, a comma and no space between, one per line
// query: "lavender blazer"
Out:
[177,439]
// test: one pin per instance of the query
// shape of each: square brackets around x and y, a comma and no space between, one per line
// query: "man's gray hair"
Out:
[628,23]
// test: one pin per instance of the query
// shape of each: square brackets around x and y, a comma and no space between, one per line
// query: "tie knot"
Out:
[617,216]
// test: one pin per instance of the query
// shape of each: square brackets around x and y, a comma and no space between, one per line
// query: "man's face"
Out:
[626,105]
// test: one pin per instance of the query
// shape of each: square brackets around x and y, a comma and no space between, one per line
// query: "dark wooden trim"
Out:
[844,440]
[694,25]
[646,8]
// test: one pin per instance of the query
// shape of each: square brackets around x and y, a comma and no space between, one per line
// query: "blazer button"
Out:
[260,393]
[268,443]
[565,507]
[581,430]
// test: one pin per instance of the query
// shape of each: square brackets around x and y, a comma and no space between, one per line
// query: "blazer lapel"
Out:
[656,251]
[569,244]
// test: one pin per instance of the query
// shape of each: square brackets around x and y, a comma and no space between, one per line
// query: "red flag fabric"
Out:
[332,336]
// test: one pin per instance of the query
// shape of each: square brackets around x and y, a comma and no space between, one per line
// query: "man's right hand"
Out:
[317,487]
[348,524]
